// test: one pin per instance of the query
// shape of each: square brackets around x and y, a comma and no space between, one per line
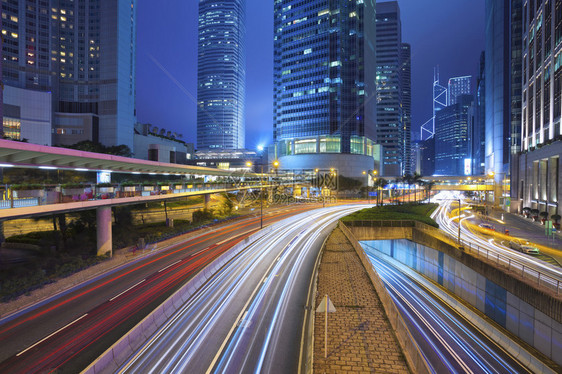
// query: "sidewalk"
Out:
[360,337]
[524,228]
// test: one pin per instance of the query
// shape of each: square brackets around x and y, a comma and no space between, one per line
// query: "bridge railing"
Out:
[524,270]
[57,194]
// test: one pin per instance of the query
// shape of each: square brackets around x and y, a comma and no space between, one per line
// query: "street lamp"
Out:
[249,164]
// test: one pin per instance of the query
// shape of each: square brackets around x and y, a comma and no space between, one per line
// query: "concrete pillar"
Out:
[105,244]
[207,200]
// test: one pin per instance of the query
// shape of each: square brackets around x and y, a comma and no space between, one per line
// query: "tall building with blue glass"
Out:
[390,112]
[221,75]
[452,138]
[84,53]
[325,85]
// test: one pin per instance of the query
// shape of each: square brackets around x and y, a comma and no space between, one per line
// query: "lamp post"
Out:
[459,221]
[249,164]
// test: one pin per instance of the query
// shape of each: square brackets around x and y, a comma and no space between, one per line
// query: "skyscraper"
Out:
[478,128]
[406,88]
[84,53]
[502,102]
[221,75]
[390,88]
[537,179]
[458,86]
[452,143]
[324,85]
[439,102]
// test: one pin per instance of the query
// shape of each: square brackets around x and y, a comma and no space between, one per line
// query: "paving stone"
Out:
[360,338]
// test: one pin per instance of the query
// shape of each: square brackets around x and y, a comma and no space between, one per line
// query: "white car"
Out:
[525,248]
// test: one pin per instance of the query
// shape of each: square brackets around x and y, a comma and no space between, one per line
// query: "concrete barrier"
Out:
[411,350]
[116,355]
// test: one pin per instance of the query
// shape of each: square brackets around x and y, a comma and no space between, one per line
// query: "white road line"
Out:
[128,289]
[177,262]
[47,337]
[234,237]
[196,253]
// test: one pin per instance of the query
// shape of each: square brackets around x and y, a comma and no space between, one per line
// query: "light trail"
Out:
[447,340]
[449,226]
[238,321]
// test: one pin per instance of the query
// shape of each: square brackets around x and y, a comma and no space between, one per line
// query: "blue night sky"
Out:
[448,33]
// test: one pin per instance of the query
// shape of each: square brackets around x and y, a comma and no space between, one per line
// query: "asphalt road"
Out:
[71,330]
[248,317]
[447,340]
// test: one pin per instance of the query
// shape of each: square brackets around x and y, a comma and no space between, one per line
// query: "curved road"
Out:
[70,330]
[447,340]
[248,317]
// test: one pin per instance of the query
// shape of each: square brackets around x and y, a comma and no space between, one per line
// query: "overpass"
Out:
[461,183]
[51,199]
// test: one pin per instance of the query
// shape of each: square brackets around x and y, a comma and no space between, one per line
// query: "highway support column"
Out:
[207,200]
[104,235]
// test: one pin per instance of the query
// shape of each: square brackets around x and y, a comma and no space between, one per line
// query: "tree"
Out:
[90,146]
[428,186]
[416,180]
[379,184]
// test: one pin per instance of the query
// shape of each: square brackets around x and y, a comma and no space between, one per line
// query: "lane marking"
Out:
[196,253]
[54,333]
[177,262]
[128,289]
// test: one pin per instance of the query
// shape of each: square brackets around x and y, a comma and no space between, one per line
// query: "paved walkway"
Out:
[360,337]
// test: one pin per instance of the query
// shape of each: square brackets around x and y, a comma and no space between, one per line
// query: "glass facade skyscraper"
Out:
[503,90]
[390,126]
[324,80]
[452,139]
[406,87]
[221,75]
[84,52]
[458,86]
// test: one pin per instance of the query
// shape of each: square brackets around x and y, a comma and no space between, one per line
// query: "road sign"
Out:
[549,229]
[372,193]
[326,307]
[322,307]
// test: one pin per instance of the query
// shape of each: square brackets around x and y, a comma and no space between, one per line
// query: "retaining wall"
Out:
[477,283]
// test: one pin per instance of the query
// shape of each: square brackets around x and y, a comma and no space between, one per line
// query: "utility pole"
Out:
[459,221]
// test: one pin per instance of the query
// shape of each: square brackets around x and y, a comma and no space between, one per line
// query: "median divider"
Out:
[117,355]
[410,348]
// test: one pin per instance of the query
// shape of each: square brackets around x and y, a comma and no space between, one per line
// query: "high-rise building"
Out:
[390,127]
[458,86]
[478,126]
[221,75]
[537,179]
[439,102]
[406,88]
[324,113]
[503,98]
[83,52]
[452,142]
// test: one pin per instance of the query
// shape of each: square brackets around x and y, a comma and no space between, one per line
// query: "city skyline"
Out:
[166,79]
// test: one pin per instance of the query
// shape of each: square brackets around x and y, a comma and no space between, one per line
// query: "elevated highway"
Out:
[52,199]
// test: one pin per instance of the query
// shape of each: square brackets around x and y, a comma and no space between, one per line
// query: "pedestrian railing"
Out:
[56,195]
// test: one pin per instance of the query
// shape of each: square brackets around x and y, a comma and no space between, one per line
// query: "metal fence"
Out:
[19,203]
